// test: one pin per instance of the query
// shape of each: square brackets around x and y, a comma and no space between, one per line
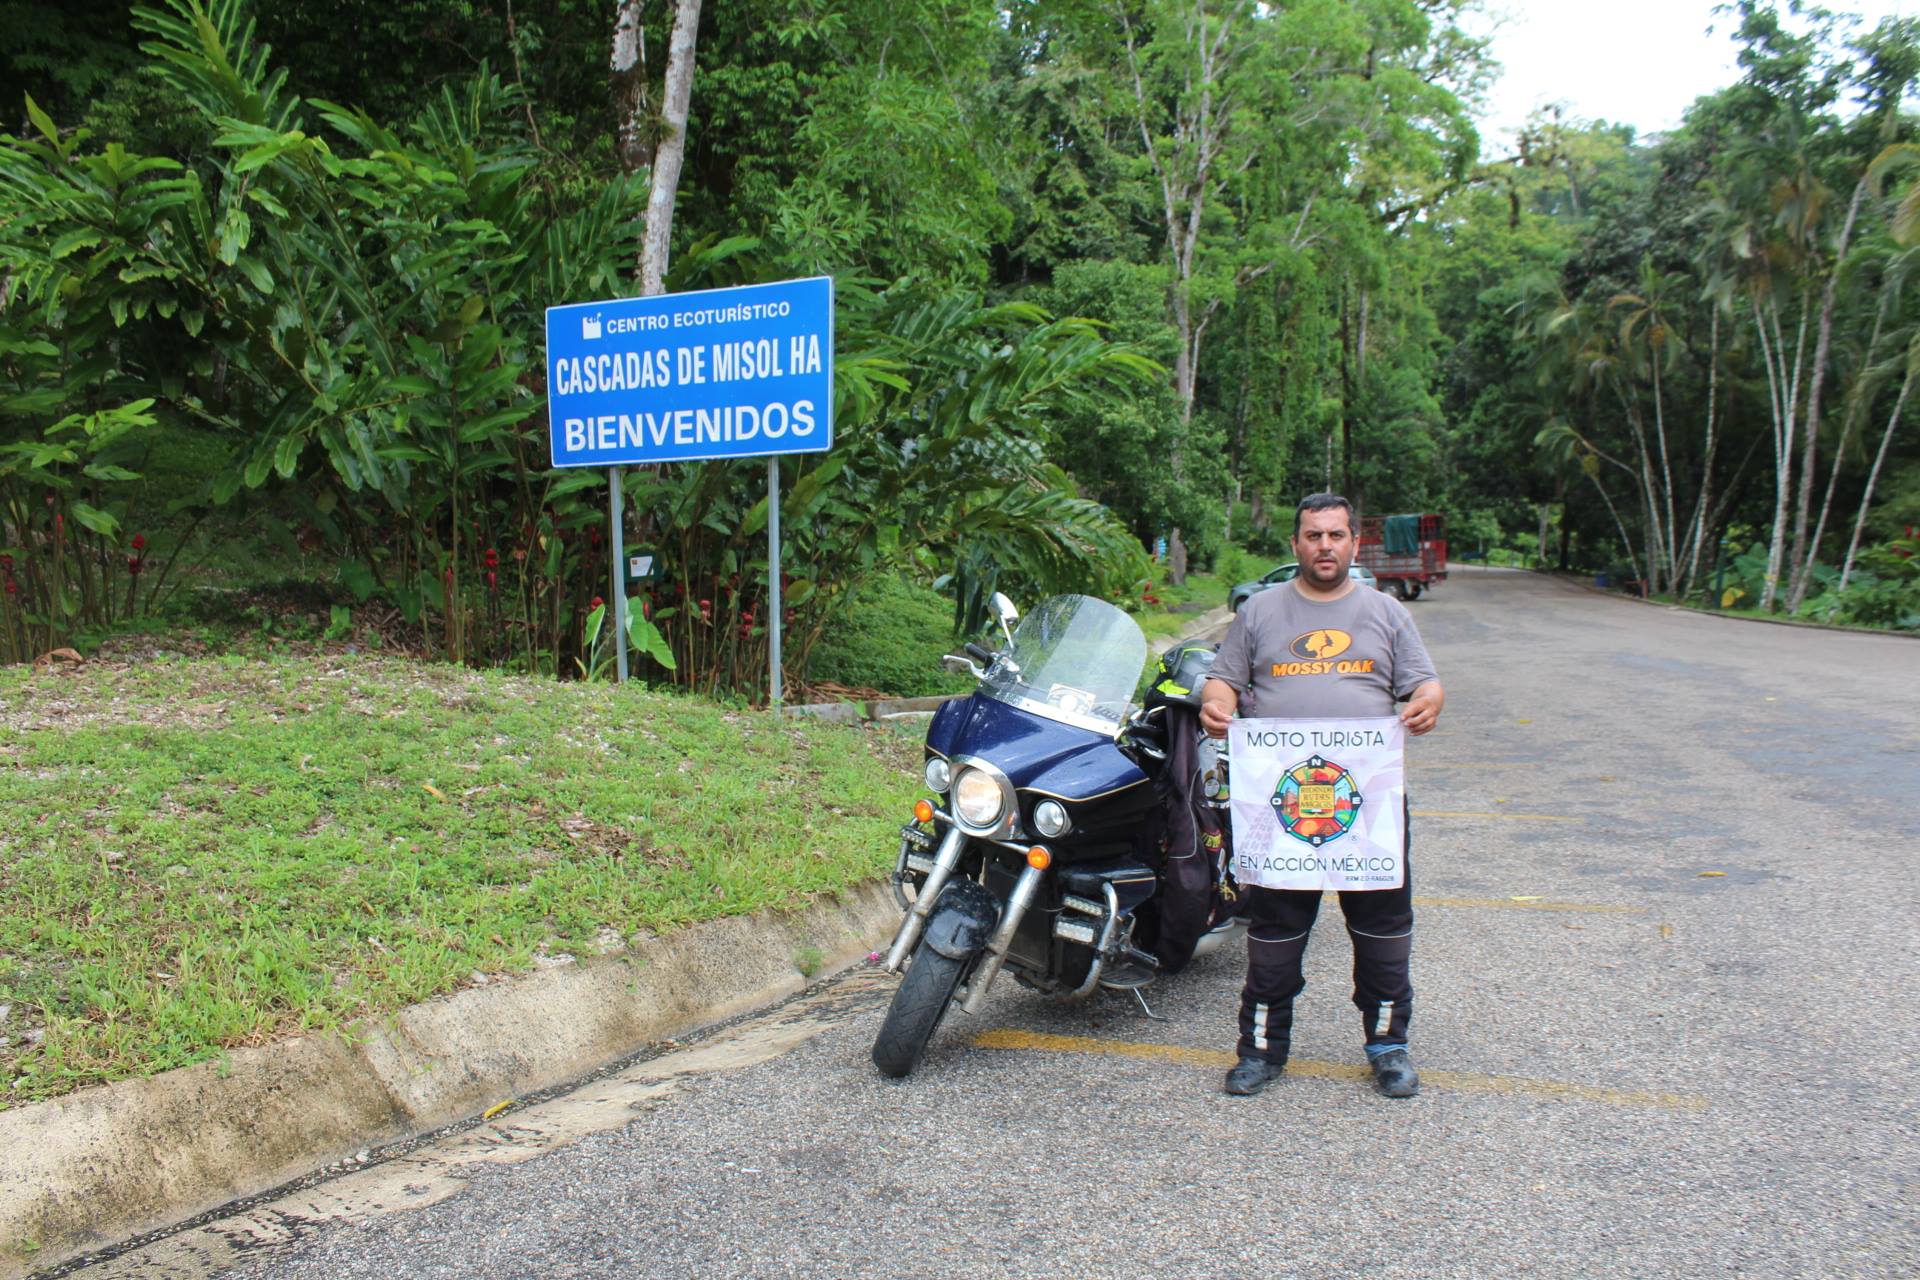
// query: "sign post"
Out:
[687,377]
[617,540]
[773,576]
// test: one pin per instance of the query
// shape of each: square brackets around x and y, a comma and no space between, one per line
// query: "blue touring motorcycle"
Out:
[1042,849]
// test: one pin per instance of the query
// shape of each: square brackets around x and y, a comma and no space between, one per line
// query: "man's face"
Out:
[1324,547]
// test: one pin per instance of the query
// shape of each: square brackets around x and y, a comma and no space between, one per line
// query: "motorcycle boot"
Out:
[1393,1073]
[1382,985]
[1250,1075]
[1274,978]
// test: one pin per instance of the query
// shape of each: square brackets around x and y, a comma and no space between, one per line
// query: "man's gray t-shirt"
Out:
[1287,655]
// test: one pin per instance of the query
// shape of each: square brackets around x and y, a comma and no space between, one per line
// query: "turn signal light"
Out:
[923,811]
[1039,858]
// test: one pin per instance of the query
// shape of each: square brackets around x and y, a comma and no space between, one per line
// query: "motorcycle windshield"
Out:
[1074,659]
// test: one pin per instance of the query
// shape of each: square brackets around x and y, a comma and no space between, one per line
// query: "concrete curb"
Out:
[104,1165]
[871,709]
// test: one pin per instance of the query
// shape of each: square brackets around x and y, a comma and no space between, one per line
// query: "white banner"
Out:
[1319,804]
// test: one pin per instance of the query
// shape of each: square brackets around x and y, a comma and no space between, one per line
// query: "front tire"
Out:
[918,1006]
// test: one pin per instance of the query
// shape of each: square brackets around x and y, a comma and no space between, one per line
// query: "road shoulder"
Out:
[97,1168]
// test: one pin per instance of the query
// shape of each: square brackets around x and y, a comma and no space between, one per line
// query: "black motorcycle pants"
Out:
[1380,922]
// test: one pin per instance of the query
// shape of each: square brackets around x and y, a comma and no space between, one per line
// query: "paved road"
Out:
[1666,965]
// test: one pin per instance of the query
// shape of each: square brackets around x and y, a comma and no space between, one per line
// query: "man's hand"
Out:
[1218,702]
[1422,710]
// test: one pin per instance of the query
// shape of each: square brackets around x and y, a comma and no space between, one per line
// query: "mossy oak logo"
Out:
[1316,801]
[1317,651]
[1321,645]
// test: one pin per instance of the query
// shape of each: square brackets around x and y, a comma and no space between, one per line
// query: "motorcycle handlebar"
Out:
[979,652]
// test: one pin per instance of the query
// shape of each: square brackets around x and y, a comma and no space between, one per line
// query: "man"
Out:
[1246,678]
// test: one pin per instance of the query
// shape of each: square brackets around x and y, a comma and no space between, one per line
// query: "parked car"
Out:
[1287,573]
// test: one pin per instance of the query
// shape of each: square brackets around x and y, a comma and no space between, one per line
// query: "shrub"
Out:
[890,638]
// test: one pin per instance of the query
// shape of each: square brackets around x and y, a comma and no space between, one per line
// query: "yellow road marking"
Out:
[1469,1081]
[1504,817]
[1515,904]
[1424,765]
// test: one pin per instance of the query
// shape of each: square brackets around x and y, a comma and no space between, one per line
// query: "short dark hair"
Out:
[1321,502]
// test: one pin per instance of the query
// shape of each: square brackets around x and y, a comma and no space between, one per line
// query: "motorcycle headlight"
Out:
[1050,816]
[938,775]
[976,798]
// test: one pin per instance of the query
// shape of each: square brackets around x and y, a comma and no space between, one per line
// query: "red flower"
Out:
[13,588]
[595,603]
[593,535]
[59,524]
[492,558]
[139,542]
[447,577]
[493,580]
[134,565]
[646,608]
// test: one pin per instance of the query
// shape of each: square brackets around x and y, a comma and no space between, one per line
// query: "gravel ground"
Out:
[1779,991]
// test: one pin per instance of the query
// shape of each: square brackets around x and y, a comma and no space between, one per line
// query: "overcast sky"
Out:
[1638,62]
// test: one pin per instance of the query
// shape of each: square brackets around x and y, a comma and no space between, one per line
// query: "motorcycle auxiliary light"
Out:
[923,811]
[976,798]
[1039,857]
[939,775]
[1050,816]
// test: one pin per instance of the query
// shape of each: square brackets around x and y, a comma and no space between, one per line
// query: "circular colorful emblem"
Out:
[1317,801]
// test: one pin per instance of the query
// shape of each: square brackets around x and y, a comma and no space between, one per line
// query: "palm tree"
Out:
[1646,329]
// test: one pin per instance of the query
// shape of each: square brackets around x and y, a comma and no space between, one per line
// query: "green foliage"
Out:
[890,637]
[332,268]
[63,54]
[359,306]
[1123,451]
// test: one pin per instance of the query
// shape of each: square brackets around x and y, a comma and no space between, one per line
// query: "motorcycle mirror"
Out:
[1003,609]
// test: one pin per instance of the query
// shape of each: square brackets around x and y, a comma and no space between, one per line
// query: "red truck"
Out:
[1407,554]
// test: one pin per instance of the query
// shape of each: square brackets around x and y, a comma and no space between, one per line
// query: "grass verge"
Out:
[201,854]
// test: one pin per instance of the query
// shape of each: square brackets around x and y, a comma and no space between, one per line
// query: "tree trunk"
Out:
[675,97]
[1823,344]
[1873,476]
[1618,523]
[1346,399]
[1669,550]
[1649,502]
[1706,464]
[1182,310]
[1784,425]
[628,68]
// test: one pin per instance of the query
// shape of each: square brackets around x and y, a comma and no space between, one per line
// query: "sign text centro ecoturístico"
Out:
[722,373]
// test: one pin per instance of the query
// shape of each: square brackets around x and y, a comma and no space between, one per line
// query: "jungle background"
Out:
[1111,275]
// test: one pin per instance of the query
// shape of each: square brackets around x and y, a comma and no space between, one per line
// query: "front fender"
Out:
[962,920]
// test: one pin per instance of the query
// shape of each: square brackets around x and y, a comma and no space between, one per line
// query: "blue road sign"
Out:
[722,373]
